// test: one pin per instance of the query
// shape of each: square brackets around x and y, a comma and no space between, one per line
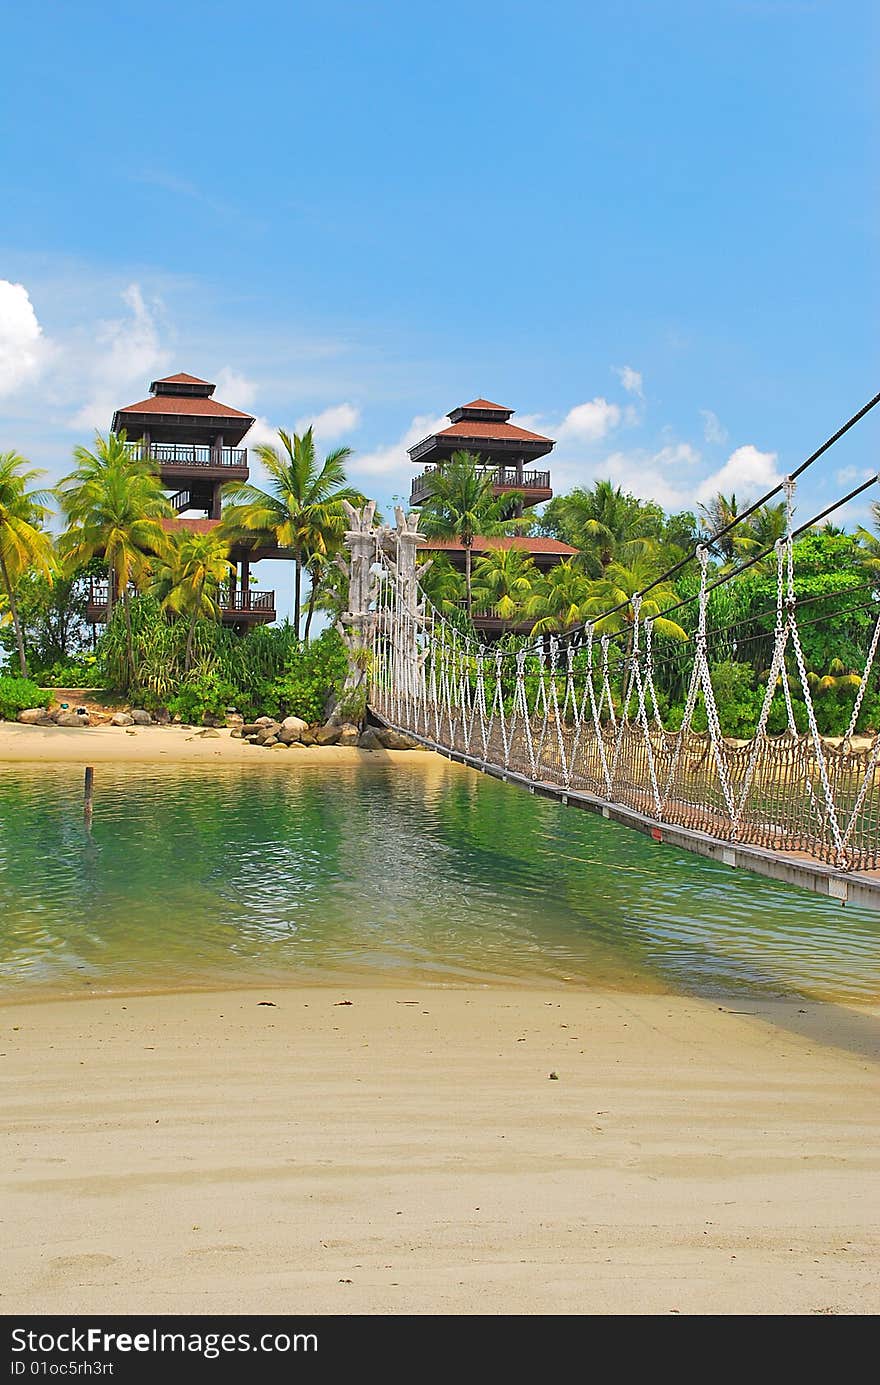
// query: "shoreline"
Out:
[170,745]
[278,1149]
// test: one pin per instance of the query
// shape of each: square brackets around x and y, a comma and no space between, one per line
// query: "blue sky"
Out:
[650,228]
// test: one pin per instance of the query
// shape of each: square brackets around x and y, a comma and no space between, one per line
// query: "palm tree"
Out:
[24,544]
[503,582]
[198,564]
[716,514]
[441,583]
[761,530]
[461,505]
[605,522]
[560,598]
[302,511]
[618,587]
[114,506]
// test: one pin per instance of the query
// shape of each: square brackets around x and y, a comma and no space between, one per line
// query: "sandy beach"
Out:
[403,1148]
[97,745]
[408,1152]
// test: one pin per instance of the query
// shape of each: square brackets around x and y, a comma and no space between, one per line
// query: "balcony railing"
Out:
[242,602]
[183,454]
[503,478]
[247,599]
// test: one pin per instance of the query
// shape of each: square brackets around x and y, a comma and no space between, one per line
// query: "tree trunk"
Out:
[313,596]
[467,578]
[187,658]
[13,607]
[129,641]
[297,593]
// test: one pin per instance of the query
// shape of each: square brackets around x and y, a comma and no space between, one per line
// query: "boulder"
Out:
[210,733]
[269,742]
[265,721]
[234,719]
[279,745]
[327,735]
[266,733]
[235,733]
[308,738]
[72,719]
[348,734]
[395,740]
[288,736]
[162,716]
[250,728]
[35,716]
[368,740]
[295,724]
[121,719]
[140,717]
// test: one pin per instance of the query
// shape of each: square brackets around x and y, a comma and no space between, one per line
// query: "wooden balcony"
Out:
[240,607]
[535,485]
[180,461]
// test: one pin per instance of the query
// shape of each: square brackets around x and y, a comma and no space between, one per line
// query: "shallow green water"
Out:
[242,875]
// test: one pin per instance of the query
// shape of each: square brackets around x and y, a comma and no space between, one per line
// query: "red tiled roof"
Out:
[195,526]
[183,404]
[486,404]
[527,543]
[181,378]
[484,428]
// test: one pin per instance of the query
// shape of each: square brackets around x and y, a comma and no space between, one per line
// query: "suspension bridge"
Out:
[576,716]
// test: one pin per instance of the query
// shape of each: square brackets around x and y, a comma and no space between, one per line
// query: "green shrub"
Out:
[208,696]
[70,673]
[313,675]
[18,693]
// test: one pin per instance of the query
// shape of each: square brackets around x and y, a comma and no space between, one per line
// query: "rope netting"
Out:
[584,715]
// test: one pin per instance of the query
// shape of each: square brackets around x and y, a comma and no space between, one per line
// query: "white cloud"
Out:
[660,475]
[333,424]
[630,379]
[713,429]
[235,389]
[392,462]
[22,344]
[589,422]
[747,473]
[128,354]
[676,454]
[852,475]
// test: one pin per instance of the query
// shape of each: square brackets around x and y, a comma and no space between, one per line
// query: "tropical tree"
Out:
[462,505]
[869,545]
[617,589]
[504,582]
[761,530]
[604,522]
[560,598]
[302,508]
[114,505]
[716,514]
[24,544]
[197,564]
[442,583]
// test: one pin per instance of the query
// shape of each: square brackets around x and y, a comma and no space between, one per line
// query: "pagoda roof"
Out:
[486,404]
[183,404]
[486,428]
[181,378]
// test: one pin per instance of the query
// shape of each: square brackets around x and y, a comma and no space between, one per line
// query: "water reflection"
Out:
[236,874]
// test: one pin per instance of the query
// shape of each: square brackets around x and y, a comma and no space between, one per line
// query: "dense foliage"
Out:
[18,693]
[267,671]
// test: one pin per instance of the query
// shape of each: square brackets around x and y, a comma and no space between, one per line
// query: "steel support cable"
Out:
[711,539]
[738,571]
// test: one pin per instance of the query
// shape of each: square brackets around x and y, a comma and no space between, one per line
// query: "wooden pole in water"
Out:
[87,795]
